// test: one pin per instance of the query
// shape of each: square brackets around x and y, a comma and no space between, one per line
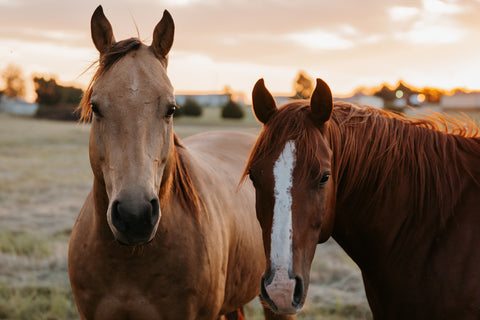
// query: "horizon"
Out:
[425,43]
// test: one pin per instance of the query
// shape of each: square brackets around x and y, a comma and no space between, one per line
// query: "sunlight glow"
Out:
[48,58]
[202,73]
[219,43]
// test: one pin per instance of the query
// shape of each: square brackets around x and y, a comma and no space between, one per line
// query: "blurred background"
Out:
[404,55]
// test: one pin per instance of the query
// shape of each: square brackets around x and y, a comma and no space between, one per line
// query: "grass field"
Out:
[45,176]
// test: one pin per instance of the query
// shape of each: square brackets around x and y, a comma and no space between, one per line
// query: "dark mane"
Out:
[183,186]
[374,151]
[435,153]
[106,61]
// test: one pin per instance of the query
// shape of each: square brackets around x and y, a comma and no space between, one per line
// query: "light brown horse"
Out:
[400,195]
[163,234]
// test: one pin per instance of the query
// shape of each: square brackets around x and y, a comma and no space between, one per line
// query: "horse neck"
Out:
[166,185]
[178,181]
[389,196]
[100,205]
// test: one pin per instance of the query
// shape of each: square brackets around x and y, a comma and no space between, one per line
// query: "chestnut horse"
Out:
[163,234]
[400,195]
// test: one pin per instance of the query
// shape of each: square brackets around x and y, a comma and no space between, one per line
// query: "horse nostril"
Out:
[298,291]
[117,218]
[263,290]
[134,220]
[155,211]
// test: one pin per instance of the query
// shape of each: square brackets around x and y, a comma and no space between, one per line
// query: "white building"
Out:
[205,100]
[461,101]
[18,107]
[211,99]
[362,99]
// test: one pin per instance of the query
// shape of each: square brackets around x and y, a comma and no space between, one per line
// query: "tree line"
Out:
[304,85]
[59,101]
[55,101]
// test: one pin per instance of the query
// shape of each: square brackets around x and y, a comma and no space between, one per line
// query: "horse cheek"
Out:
[328,213]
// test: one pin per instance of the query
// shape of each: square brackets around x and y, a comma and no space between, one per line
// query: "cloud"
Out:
[435,22]
[427,34]
[320,39]
[442,7]
[237,41]
[403,13]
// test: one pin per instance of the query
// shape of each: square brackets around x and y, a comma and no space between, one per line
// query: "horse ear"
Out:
[101,29]
[321,102]
[163,35]
[264,105]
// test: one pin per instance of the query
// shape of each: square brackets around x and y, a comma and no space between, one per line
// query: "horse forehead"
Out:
[295,157]
[324,149]
[287,155]
[285,162]
[139,73]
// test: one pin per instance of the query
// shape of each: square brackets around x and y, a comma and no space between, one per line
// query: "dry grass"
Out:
[44,178]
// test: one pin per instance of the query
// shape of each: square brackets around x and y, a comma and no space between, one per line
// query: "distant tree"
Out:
[70,94]
[459,91]
[404,91]
[56,101]
[303,86]
[191,108]
[14,81]
[385,93]
[47,91]
[227,90]
[51,93]
[432,95]
[232,110]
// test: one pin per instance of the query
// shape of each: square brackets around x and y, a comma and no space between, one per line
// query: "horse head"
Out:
[290,167]
[132,102]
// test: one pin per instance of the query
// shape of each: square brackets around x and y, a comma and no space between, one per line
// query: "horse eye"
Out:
[95,109]
[170,111]
[251,176]
[324,179]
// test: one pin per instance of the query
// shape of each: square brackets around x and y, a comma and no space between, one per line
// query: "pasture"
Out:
[45,176]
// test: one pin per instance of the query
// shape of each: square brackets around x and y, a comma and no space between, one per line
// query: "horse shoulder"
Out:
[219,161]
[81,271]
[218,144]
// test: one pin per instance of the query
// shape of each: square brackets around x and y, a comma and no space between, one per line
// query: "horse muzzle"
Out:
[284,294]
[134,222]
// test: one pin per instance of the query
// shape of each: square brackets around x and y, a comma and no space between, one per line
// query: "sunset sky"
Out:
[348,43]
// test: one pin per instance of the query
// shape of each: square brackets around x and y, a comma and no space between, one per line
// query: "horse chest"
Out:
[124,305]
[152,282]
[131,293]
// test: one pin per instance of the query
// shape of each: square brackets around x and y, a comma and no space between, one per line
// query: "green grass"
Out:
[340,312]
[37,303]
[24,244]
[45,176]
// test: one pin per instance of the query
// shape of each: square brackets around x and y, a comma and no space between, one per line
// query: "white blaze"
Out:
[134,84]
[281,239]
